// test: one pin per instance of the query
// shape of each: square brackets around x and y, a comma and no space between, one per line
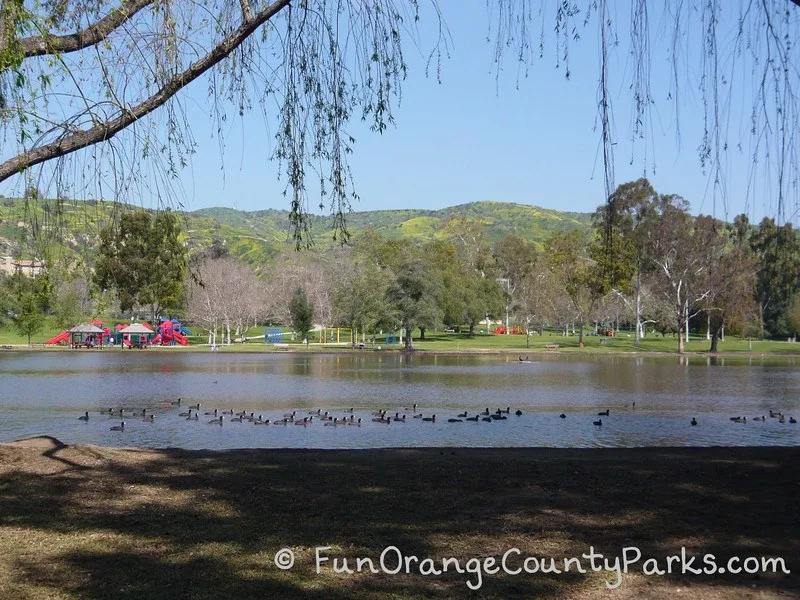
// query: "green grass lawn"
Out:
[461,342]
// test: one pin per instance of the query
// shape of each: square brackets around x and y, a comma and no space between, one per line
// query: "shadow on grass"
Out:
[106,523]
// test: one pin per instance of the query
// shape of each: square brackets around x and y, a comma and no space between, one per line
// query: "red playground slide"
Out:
[61,337]
[180,338]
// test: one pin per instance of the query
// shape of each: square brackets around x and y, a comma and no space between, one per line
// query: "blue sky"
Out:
[470,138]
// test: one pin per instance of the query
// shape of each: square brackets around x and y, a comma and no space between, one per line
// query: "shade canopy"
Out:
[136,328]
[85,328]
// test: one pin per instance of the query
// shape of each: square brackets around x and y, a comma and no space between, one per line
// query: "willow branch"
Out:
[91,35]
[105,131]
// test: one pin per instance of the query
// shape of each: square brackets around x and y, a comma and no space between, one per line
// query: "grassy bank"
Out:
[90,522]
[462,342]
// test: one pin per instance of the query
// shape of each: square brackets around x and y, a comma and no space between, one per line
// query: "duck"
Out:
[518,413]
[236,419]
[599,422]
[217,421]
[760,419]
[214,413]
[486,412]
[196,406]
[431,419]
[506,411]
[604,413]
[773,414]
[419,416]
[280,421]
[149,418]
[487,419]
[290,415]
[186,414]
[694,421]
[335,422]
[378,413]
[176,402]
[261,421]
[454,421]
[303,423]
[739,419]
[792,420]
[497,417]
[473,419]
[85,416]
[120,427]
[781,420]
[356,422]
[194,417]
[399,419]
[412,408]
[462,415]
[562,416]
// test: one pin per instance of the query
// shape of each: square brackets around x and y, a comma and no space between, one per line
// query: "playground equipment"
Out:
[273,335]
[169,332]
[84,338]
[61,337]
[512,330]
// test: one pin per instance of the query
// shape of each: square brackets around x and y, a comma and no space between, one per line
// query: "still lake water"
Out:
[45,393]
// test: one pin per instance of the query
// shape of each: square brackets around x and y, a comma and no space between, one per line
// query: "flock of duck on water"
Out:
[348,418]
[773,414]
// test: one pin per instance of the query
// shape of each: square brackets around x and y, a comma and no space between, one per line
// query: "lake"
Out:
[44,393]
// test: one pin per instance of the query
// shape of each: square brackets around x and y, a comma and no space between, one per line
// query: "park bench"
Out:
[551,346]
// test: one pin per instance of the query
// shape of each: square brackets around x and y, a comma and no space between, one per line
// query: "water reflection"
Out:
[44,393]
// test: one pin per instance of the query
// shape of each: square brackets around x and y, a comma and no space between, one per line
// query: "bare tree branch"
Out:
[104,131]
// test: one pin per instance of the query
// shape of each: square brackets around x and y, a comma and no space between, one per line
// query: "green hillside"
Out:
[69,228]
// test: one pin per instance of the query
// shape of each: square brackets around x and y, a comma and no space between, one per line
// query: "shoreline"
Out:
[253,349]
[90,521]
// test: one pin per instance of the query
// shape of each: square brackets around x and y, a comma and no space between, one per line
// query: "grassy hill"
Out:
[69,228]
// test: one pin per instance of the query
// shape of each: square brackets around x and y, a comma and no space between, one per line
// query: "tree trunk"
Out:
[471,329]
[580,334]
[409,345]
[637,336]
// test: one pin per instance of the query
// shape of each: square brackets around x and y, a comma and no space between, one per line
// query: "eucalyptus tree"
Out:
[684,253]
[778,250]
[144,260]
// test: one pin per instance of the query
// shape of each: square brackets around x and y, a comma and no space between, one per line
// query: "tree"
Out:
[621,247]
[359,296]
[226,295]
[144,260]
[302,312]
[28,299]
[576,274]
[778,252]
[684,254]
[111,72]
[514,258]
[414,294]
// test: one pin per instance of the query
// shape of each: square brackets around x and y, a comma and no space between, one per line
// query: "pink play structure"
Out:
[168,332]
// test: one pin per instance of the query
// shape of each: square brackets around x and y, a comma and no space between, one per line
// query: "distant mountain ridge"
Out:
[256,236]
